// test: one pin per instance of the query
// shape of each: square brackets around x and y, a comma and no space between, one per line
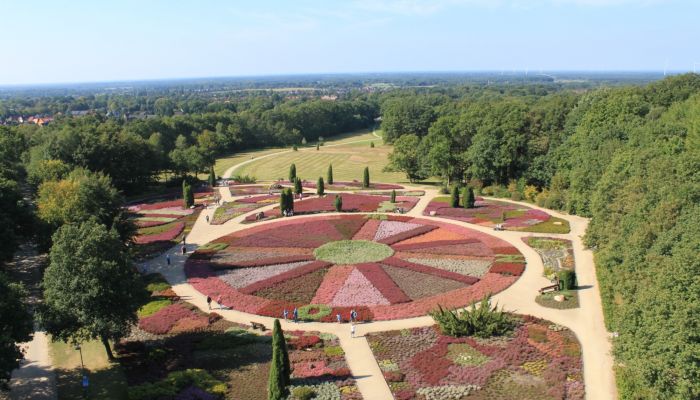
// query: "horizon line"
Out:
[503,72]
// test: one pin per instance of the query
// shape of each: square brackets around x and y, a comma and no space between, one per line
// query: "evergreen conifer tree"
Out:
[365,178]
[292,173]
[330,174]
[454,198]
[279,368]
[320,189]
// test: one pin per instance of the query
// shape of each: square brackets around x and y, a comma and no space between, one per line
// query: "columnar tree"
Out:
[338,203]
[212,176]
[393,195]
[298,189]
[320,188]
[16,327]
[292,173]
[468,197]
[365,178]
[91,289]
[454,198]
[187,194]
[286,200]
[279,377]
[330,174]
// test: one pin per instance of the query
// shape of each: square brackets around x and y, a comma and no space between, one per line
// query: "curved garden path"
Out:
[586,321]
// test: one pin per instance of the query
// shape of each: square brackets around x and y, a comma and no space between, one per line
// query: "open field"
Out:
[348,161]
[224,163]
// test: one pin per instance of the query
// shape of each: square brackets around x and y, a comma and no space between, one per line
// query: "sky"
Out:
[90,41]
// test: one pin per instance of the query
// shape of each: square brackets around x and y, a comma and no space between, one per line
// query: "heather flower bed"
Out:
[538,360]
[347,262]
[233,209]
[215,359]
[351,203]
[346,185]
[489,213]
[163,223]
[243,190]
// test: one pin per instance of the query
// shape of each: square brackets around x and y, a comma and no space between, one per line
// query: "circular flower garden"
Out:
[383,267]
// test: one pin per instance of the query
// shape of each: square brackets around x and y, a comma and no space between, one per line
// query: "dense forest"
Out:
[627,156]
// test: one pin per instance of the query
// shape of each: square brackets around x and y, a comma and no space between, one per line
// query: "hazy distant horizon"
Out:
[465,73]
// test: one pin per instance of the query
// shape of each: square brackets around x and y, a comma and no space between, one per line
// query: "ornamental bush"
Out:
[297,186]
[330,174]
[292,173]
[338,203]
[567,279]
[393,195]
[187,194]
[468,197]
[483,321]
[454,198]
[365,178]
[320,188]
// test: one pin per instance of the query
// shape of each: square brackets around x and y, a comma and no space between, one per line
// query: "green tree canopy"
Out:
[16,327]
[91,289]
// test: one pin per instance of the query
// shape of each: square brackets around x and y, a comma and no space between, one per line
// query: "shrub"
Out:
[295,148]
[292,173]
[371,144]
[303,393]
[483,321]
[530,193]
[320,189]
[541,197]
[468,197]
[554,201]
[187,194]
[338,203]
[333,351]
[454,198]
[297,186]
[175,382]
[567,279]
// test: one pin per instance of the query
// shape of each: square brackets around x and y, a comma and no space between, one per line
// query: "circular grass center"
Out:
[353,252]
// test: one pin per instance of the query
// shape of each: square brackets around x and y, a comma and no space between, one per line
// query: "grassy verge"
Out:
[552,225]
[547,300]
[107,380]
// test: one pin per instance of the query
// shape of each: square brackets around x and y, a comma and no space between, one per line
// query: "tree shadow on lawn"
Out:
[107,383]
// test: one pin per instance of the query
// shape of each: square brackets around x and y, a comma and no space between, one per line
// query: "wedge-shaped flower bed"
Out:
[271,268]
[538,360]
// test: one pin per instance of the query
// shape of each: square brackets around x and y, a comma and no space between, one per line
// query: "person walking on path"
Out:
[184,250]
[353,315]
[295,314]
[285,314]
[337,316]
[167,259]
[352,330]
[209,302]
[207,219]
[218,301]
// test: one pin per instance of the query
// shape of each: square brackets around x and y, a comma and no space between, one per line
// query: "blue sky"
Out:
[77,41]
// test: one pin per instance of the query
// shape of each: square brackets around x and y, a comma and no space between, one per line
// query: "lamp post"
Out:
[85,381]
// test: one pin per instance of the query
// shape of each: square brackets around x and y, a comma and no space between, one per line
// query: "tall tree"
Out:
[187,194]
[279,377]
[468,197]
[292,173]
[91,289]
[338,203]
[365,178]
[298,187]
[454,197]
[406,158]
[16,327]
[330,174]
[320,188]
[212,177]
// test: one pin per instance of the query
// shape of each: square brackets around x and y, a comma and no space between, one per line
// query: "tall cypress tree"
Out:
[330,174]
[292,173]
[279,368]
[393,195]
[187,195]
[290,200]
[297,186]
[469,198]
[283,201]
[454,198]
[365,178]
[320,188]
[338,203]
[212,176]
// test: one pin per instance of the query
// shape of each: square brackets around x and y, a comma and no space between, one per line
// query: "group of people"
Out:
[218,301]
[339,318]
[288,213]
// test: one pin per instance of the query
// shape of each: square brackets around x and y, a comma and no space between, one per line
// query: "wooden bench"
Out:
[257,325]
[552,288]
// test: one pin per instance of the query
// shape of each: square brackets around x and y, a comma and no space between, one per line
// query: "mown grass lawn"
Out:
[107,380]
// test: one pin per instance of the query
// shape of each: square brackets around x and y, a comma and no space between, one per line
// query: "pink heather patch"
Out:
[332,282]
[358,291]
[242,277]
[391,228]
[291,274]
[383,282]
[310,369]
[368,230]
[167,235]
